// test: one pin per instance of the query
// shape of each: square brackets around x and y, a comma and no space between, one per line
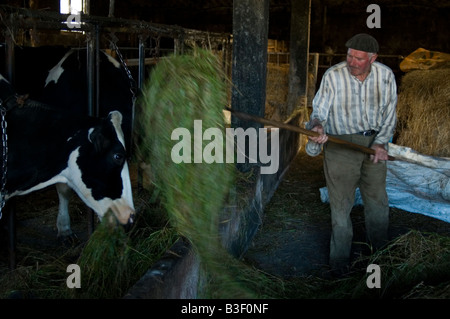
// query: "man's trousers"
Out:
[345,170]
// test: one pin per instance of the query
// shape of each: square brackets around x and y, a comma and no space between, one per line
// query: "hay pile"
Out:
[276,91]
[423,111]
[415,265]
[114,259]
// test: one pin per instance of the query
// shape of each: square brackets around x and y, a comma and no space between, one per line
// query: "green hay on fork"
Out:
[182,89]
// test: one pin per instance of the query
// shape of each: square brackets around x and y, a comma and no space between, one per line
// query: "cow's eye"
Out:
[118,158]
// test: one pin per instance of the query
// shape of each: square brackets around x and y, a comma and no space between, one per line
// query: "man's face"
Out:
[358,62]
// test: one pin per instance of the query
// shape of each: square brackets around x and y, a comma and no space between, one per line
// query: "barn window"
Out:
[72,6]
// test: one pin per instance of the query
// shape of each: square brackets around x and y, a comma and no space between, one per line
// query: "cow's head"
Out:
[99,171]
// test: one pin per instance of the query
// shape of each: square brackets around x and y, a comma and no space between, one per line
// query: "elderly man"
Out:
[356,102]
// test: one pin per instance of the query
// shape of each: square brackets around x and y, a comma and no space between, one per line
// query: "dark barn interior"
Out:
[297,41]
[405,26]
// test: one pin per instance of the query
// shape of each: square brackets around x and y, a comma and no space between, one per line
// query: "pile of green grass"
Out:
[114,259]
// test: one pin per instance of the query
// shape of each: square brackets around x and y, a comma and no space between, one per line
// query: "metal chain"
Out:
[4,157]
[113,44]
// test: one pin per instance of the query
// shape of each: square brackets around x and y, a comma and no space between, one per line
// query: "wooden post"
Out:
[313,69]
[299,51]
[249,63]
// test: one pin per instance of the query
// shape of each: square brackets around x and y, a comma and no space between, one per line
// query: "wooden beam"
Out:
[250,38]
[249,62]
[299,51]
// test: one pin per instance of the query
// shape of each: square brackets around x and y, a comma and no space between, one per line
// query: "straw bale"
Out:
[276,91]
[423,111]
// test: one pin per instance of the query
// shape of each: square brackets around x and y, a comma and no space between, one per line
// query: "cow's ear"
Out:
[115,117]
[115,120]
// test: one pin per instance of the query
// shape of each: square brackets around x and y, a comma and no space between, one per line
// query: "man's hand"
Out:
[322,138]
[380,153]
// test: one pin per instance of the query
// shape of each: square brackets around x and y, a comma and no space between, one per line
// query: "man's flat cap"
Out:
[363,42]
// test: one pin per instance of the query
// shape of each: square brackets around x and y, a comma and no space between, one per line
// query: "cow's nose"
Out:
[124,213]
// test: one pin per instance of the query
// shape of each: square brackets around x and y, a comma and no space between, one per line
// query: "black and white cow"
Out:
[66,86]
[48,146]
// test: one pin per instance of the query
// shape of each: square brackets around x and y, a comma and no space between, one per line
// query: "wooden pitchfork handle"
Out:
[290,127]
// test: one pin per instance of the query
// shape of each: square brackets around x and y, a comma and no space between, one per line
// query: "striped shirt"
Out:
[345,105]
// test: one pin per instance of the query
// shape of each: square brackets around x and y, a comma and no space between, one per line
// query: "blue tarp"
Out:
[415,183]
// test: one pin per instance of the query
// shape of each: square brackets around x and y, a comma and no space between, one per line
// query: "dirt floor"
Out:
[36,232]
[294,237]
